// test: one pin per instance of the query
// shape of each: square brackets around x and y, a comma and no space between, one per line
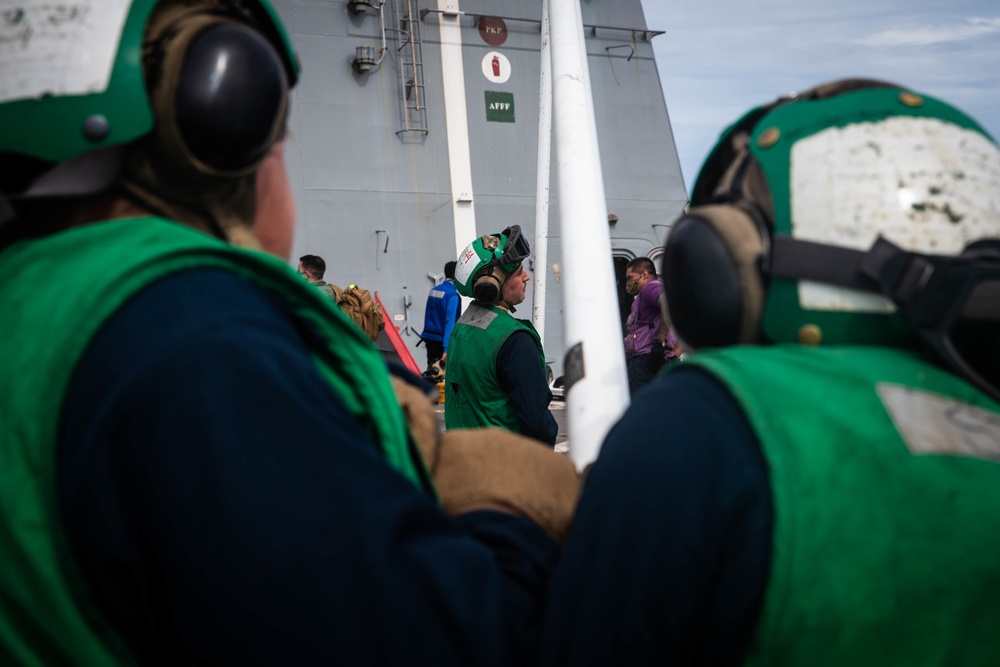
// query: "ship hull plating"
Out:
[403,152]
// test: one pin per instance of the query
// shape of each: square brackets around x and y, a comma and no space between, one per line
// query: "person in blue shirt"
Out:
[444,307]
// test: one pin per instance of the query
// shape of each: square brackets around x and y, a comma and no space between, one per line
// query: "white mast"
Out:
[597,386]
[456,116]
[541,245]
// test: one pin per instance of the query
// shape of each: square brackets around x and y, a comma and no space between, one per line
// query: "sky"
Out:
[719,58]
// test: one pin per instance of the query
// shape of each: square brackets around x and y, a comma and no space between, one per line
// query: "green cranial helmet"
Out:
[79,82]
[837,167]
[859,213]
[486,263]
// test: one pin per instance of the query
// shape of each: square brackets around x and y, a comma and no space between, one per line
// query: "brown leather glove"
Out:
[494,469]
[490,468]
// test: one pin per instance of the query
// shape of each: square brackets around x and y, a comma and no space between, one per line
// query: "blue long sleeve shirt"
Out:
[671,545]
[224,506]
[444,307]
[518,372]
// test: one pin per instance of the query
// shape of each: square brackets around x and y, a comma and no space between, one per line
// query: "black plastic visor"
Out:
[516,250]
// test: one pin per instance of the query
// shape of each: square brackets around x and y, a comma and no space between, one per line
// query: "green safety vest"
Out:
[55,293]
[473,397]
[886,478]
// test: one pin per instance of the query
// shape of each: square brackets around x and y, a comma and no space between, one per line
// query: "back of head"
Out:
[449,269]
[314,265]
[485,265]
[814,218]
[176,107]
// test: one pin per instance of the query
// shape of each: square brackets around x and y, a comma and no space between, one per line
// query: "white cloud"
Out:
[962,32]
[718,59]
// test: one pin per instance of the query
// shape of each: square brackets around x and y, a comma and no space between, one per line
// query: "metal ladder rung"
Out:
[413,107]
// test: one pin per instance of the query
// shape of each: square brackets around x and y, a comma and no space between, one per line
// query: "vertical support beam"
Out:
[597,386]
[457,124]
[541,245]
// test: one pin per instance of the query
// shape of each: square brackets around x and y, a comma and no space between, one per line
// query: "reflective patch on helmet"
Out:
[820,296]
[466,266]
[925,184]
[59,48]
[933,424]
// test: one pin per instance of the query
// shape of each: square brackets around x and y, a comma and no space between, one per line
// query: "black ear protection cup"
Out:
[219,91]
[712,278]
[230,97]
[711,264]
[487,288]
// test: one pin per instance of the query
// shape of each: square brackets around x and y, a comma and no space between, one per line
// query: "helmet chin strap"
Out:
[500,302]
[506,306]
[932,293]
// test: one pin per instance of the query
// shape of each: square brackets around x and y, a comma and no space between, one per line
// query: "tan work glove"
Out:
[477,469]
[419,412]
[495,469]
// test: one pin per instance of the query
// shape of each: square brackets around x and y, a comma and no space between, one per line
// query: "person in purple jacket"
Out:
[644,352]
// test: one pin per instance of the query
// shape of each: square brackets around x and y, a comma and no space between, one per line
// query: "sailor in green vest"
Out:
[496,366]
[202,460]
[817,484]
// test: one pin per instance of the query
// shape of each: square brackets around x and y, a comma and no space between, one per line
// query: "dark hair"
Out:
[640,264]
[313,265]
[449,269]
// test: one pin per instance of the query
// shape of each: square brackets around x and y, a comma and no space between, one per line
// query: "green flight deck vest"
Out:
[55,293]
[885,471]
[473,397]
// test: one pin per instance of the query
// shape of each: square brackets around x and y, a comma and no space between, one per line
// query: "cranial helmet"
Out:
[855,213]
[485,265]
[176,101]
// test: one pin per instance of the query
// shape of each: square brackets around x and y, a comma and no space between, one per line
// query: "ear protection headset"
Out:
[712,262]
[217,86]
[181,132]
[716,258]
[487,288]
[712,278]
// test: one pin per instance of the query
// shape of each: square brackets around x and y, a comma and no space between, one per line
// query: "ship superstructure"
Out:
[415,128]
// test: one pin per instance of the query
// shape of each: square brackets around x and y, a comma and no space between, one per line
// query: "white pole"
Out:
[541,246]
[597,386]
[456,117]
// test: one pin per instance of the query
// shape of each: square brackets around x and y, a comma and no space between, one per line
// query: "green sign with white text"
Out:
[499,107]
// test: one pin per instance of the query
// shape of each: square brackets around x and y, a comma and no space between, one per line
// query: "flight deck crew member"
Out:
[496,366]
[829,496]
[204,460]
[444,307]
